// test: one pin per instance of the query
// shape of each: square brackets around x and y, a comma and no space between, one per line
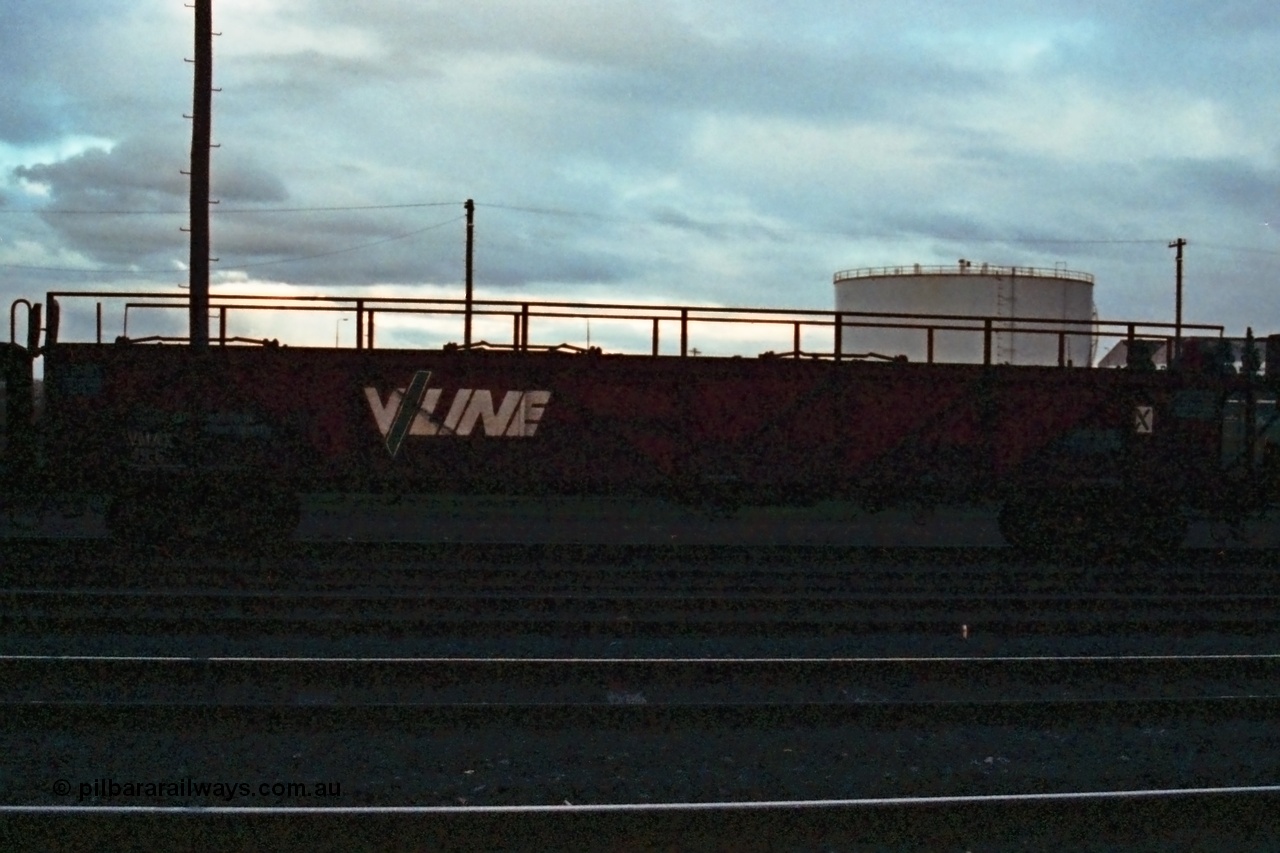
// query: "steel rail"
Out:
[1234,817]
[891,660]
[725,806]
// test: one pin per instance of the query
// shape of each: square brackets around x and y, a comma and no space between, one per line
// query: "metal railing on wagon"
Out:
[834,326]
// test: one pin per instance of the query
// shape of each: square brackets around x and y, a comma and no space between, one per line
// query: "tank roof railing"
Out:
[966,268]
[835,329]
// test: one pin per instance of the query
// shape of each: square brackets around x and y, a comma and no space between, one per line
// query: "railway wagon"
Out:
[222,440]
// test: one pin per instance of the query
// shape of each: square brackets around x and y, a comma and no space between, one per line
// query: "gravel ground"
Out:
[511,765]
[483,765]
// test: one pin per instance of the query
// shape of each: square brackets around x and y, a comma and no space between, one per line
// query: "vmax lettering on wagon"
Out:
[413,411]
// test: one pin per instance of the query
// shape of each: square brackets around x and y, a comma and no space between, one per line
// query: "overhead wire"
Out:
[1219,247]
[351,248]
[540,211]
[1073,242]
[551,211]
[54,211]
[170,270]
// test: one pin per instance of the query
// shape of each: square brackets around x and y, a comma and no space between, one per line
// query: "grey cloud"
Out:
[139,197]
[1247,188]
[718,230]
[501,262]
[303,238]
[308,75]
[65,63]
[238,178]
[25,117]
[598,109]
[941,225]
[650,55]
[129,177]
[142,176]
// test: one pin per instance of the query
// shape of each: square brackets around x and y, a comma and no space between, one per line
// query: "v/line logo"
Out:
[411,411]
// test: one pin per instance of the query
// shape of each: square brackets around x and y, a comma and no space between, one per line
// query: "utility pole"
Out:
[1177,311]
[470,207]
[201,135]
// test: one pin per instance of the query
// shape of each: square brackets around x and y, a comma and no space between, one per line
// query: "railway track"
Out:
[906,733]
[825,751]
[1237,818]
[827,688]
[490,613]
[467,603]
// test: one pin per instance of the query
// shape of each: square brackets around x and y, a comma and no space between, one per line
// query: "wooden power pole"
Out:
[201,142]
[1178,244]
[470,207]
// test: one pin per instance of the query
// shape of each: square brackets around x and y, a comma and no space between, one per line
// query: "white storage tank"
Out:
[1027,307]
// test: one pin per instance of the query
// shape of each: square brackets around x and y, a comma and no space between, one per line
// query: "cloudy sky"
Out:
[735,152]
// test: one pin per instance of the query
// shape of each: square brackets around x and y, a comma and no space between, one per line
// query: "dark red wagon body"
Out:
[532,422]
[240,427]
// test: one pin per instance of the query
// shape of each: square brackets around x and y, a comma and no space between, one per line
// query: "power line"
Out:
[1073,242]
[559,212]
[340,208]
[542,211]
[349,248]
[226,210]
[1219,247]
[170,270]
